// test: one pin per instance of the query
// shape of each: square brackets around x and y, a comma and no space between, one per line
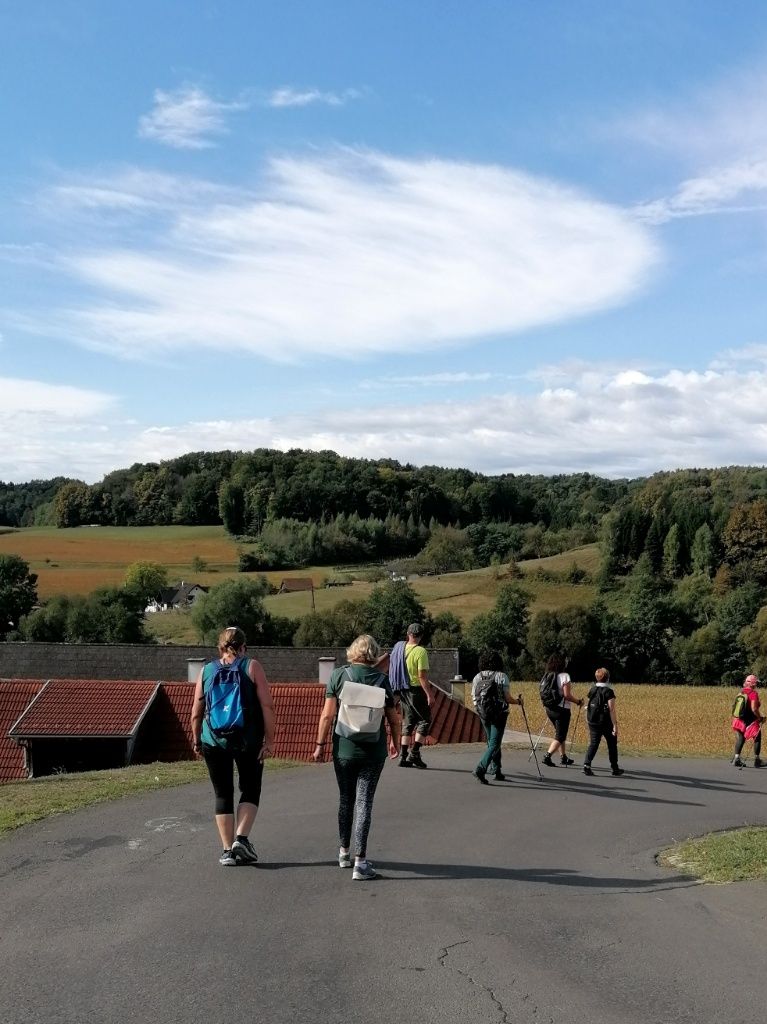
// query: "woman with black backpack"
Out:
[490,693]
[602,720]
[556,697]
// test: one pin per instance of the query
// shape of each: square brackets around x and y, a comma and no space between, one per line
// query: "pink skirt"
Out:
[749,731]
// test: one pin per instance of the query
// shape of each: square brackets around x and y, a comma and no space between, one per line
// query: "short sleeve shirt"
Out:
[416,660]
[563,678]
[345,749]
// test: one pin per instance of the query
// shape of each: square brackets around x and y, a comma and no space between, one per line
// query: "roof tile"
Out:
[86,707]
[15,695]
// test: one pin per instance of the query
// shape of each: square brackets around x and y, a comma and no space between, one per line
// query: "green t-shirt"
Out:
[345,749]
[416,660]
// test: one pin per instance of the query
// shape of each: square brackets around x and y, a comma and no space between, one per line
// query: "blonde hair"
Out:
[602,675]
[231,640]
[364,649]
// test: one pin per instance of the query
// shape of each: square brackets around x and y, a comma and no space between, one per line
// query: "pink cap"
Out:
[751,681]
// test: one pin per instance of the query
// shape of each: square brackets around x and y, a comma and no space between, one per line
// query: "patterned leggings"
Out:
[357,781]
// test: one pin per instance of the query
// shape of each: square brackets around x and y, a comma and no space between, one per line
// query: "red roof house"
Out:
[15,695]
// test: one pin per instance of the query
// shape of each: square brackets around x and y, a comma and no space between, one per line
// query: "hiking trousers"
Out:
[596,732]
[357,781]
[494,730]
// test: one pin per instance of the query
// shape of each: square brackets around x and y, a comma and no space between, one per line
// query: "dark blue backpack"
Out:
[226,706]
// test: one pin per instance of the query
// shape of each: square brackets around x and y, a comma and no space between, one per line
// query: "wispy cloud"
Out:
[722,190]
[187,118]
[289,96]
[608,420]
[428,380]
[354,254]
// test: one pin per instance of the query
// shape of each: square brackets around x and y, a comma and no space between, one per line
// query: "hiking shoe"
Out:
[344,860]
[566,761]
[479,774]
[416,761]
[404,763]
[499,777]
[737,763]
[227,859]
[547,761]
[587,769]
[244,852]
[617,771]
[364,872]
[758,762]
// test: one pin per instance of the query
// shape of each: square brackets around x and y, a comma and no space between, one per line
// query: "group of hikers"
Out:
[379,704]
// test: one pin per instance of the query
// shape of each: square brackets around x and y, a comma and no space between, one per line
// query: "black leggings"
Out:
[740,740]
[250,771]
[357,781]
[560,719]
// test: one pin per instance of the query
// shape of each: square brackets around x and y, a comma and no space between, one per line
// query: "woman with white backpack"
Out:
[358,703]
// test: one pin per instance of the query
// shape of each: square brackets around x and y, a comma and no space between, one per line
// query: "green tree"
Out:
[336,627]
[47,624]
[18,591]
[753,639]
[745,541]
[235,602]
[231,507]
[702,552]
[71,505]
[146,579]
[672,553]
[107,616]
[699,656]
[390,610]
[504,628]
[447,550]
[574,632]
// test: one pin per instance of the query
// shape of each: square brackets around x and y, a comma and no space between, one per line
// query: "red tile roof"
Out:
[297,708]
[165,734]
[87,707]
[452,722]
[15,695]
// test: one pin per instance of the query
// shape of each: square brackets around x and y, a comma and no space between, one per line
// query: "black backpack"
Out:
[487,699]
[597,711]
[549,691]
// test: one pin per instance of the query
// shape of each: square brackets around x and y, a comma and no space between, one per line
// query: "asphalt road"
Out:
[517,902]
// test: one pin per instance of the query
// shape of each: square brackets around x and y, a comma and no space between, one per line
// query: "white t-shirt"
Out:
[563,678]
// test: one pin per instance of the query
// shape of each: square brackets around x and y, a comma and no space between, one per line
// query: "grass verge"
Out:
[34,799]
[734,856]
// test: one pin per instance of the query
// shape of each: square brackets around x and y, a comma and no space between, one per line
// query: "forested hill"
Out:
[244,490]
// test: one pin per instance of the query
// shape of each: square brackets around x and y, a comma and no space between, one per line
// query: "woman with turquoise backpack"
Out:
[233,724]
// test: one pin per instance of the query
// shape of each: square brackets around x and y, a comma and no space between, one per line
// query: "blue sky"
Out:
[512,236]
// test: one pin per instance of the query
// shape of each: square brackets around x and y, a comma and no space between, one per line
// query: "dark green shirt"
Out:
[345,749]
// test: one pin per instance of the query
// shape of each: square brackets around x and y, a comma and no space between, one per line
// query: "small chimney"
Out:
[326,666]
[193,667]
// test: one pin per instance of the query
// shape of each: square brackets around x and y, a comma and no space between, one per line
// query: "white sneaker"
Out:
[364,871]
[344,860]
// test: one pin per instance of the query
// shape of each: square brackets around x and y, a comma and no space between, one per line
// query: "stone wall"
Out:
[170,662]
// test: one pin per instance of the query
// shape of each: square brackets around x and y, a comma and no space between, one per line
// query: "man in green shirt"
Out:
[416,700]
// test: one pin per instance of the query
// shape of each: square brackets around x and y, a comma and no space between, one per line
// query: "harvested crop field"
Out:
[683,720]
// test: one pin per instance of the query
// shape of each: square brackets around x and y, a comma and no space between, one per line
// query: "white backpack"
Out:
[360,710]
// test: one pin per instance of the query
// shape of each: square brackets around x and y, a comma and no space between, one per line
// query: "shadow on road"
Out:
[419,872]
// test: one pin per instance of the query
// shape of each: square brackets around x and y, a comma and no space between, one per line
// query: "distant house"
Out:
[180,595]
[292,586]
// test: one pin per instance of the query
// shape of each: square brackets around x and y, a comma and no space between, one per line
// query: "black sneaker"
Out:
[546,759]
[244,852]
[499,777]
[566,761]
[617,771]
[227,859]
[587,769]
[737,763]
[417,761]
[758,762]
[480,774]
[404,763]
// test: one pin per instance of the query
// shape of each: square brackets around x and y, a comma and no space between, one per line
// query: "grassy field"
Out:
[721,857]
[77,561]
[34,799]
[679,721]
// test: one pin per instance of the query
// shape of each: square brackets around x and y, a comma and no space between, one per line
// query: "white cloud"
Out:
[186,118]
[428,380]
[289,96]
[720,190]
[606,420]
[356,254]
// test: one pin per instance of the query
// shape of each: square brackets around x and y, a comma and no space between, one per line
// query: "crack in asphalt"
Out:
[442,961]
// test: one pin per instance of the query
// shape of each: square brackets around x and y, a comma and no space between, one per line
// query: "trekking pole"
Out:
[532,748]
[540,737]
[575,731]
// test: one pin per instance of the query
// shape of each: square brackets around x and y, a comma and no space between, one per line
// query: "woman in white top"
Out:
[560,715]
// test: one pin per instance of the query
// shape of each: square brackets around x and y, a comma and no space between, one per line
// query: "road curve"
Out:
[523,901]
